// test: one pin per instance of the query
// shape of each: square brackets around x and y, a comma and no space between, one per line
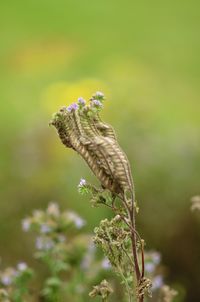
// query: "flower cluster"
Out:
[14,282]
[63,248]
[153,269]
[96,103]
[152,261]
[52,221]
[55,231]
[168,294]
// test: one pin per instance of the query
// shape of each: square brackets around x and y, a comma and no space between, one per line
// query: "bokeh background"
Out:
[144,55]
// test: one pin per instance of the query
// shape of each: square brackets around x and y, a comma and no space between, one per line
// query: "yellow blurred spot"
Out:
[64,93]
[43,56]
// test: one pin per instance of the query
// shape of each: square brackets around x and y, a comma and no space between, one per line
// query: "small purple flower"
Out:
[26,225]
[45,228]
[89,256]
[22,266]
[97,103]
[71,107]
[156,257]
[157,282]
[105,264]
[81,101]
[39,243]
[149,267]
[99,94]
[82,182]
[6,280]
[44,243]
[78,221]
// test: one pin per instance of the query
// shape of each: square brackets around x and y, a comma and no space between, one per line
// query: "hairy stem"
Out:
[125,282]
[134,233]
[131,213]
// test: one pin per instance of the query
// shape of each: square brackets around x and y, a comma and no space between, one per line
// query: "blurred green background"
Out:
[145,56]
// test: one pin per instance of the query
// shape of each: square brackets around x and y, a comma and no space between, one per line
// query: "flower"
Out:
[78,221]
[149,267]
[22,266]
[8,275]
[83,186]
[26,224]
[89,256]
[105,264]
[82,182]
[49,244]
[81,101]
[44,243]
[156,257]
[97,103]
[71,107]
[53,209]
[157,282]
[45,228]
[6,280]
[39,243]
[99,94]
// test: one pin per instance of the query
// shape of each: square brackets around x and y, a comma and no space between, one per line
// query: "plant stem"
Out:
[134,233]
[125,282]
[131,213]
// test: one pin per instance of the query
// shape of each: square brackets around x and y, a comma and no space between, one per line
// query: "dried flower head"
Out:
[144,287]
[103,289]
